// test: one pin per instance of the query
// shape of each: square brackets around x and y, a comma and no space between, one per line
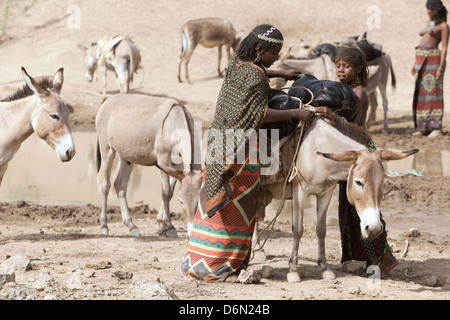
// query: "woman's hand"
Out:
[291,74]
[304,115]
[439,73]
[273,115]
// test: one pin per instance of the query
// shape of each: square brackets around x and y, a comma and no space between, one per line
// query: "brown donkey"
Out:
[210,33]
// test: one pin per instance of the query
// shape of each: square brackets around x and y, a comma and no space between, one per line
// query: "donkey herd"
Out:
[155,131]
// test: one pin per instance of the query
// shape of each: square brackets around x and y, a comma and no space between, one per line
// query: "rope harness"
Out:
[293,171]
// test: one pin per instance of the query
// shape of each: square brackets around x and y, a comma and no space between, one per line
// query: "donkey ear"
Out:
[396,155]
[177,174]
[58,80]
[33,84]
[346,156]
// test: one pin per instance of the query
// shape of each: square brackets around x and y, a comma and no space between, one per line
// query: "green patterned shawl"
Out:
[242,104]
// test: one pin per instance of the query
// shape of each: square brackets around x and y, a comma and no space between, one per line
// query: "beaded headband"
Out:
[266,37]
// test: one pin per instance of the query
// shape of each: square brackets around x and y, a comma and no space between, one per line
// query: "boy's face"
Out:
[269,57]
[345,72]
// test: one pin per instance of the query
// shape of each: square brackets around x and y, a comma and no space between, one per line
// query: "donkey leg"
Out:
[385,105]
[186,43]
[105,80]
[373,104]
[265,198]
[297,231]
[3,168]
[219,57]
[121,184]
[121,75]
[165,224]
[255,237]
[179,68]
[187,58]
[321,231]
[105,183]
[258,252]
[228,48]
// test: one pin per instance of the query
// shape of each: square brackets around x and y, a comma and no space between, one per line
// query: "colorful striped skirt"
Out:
[428,103]
[220,246]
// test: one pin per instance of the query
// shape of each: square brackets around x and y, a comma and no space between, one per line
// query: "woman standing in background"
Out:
[429,68]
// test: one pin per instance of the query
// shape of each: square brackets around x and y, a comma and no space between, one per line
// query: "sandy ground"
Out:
[63,241]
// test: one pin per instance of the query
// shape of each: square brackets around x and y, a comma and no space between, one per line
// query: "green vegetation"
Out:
[9,9]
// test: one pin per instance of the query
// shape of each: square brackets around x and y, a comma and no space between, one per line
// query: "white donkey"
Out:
[36,107]
[332,152]
[210,33]
[149,131]
[118,54]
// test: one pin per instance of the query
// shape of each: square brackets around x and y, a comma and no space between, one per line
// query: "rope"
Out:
[295,98]
[292,173]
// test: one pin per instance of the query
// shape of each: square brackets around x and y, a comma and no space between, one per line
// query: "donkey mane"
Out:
[25,90]
[350,130]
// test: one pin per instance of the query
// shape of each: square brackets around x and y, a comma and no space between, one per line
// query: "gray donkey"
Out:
[118,54]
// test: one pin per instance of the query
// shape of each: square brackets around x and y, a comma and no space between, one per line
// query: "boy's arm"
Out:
[363,106]
[361,112]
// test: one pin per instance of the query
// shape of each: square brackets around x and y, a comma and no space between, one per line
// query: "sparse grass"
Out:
[10,9]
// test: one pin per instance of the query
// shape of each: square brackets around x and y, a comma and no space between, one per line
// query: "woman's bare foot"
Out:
[231,279]
[388,262]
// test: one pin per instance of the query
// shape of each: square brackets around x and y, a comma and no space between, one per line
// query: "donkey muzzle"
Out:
[65,149]
[371,226]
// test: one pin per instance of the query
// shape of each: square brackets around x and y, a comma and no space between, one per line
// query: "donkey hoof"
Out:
[293,277]
[172,233]
[135,233]
[104,231]
[328,275]
[260,255]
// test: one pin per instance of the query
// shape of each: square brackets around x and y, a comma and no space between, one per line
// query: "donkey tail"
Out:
[132,67]
[184,42]
[99,157]
[134,59]
[393,78]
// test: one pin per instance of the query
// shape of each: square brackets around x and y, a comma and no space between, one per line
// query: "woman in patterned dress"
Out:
[220,240]
[429,68]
